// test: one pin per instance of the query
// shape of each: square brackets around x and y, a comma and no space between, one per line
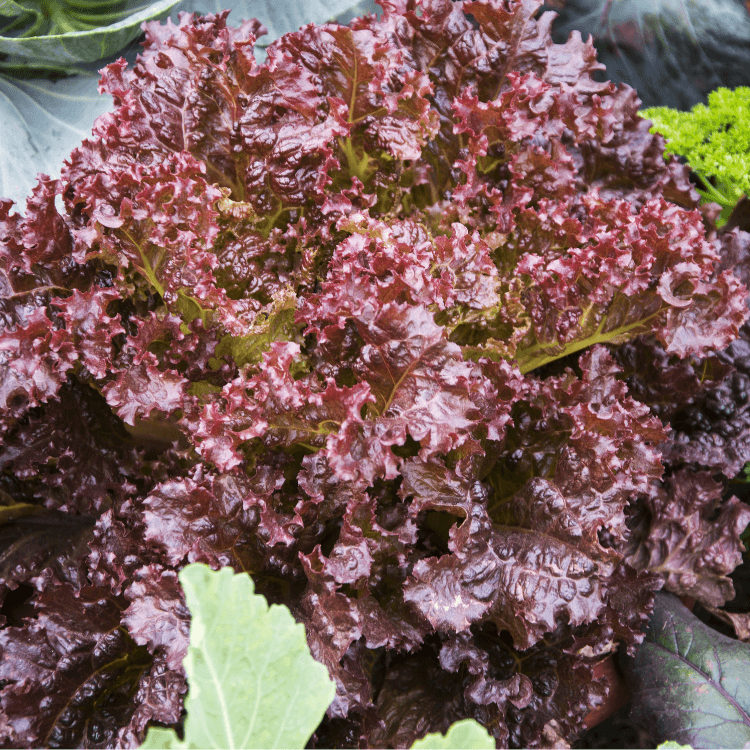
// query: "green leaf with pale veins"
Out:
[690,683]
[77,35]
[10,9]
[252,682]
[463,735]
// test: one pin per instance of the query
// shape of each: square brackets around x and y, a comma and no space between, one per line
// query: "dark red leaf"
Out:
[691,537]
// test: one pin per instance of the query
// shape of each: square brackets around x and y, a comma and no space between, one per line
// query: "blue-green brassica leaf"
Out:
[467,735]
[252,682]
[68,32]
[688,682]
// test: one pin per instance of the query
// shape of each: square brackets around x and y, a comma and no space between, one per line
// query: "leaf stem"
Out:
[535,356]
[147,271]
[359,167]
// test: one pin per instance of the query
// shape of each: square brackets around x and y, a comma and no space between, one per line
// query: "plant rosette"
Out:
[368,321]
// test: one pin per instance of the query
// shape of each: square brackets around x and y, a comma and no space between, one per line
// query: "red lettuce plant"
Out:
[354,321]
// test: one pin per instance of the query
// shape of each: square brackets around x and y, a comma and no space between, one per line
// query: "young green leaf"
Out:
[716,142]
[689,683]
[252,681]
[467,734]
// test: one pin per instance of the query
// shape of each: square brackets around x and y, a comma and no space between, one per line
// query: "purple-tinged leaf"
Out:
[68,673]
[688,682]
[690,537]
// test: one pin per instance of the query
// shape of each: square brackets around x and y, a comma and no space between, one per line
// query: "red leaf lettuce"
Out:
[341,320]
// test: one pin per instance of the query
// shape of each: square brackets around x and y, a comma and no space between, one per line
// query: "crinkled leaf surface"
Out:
[334,318]
[703,400]
[252,681]
[278,17]
[466,734]
[44,120]
[34,539]
[689,683]
[713,140]
[76,667]
[691,537]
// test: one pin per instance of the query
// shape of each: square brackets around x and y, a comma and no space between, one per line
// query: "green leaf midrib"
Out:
[694,667]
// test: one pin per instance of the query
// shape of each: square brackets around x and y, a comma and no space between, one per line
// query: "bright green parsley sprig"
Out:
[716,142]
